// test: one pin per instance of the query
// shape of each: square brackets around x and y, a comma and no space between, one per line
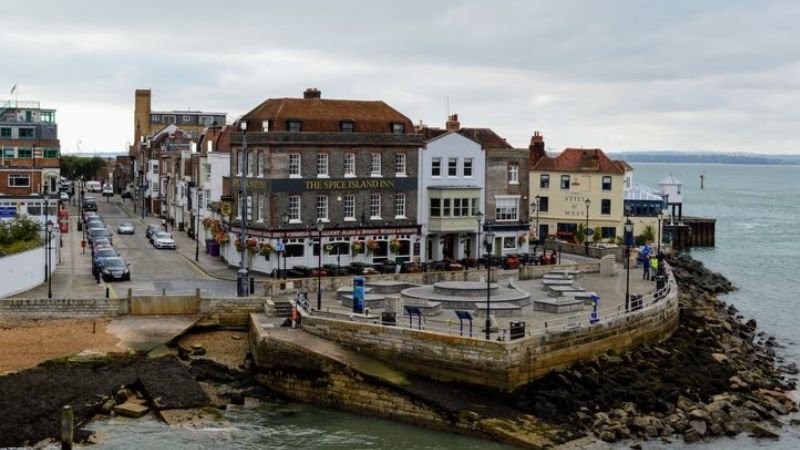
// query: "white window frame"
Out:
[400,164]
[262,207]
[375,207]
[322,208]
[400,206]
[512,240]
[513,174]
[452,163]
[295,159]
[349,165]
[500,200]
[20,176]
[436,164]
[323,164]
[206,198]
[252,160]
[468,168]
[294,210]
[375,169]
[249,208]
[349,207]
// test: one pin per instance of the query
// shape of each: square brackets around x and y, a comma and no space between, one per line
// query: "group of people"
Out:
[551,259]
[652,262]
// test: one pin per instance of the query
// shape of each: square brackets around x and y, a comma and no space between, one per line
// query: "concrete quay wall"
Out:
[502,365]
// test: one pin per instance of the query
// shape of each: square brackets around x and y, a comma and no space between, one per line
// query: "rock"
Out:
[129,409]
[122,394]
[760,410]
[198,350]
[236,337]
[794,422]
[763,431]
[700,414]
[698,426]
[608,436]
[691,436]
[720,358]
[108,406]
[732,428]
[716,429]
[685,404]
[636,446]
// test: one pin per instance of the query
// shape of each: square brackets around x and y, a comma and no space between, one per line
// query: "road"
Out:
[152,270]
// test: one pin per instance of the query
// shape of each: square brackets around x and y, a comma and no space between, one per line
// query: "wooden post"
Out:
[66,428]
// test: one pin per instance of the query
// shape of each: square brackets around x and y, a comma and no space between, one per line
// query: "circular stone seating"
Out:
[466,295]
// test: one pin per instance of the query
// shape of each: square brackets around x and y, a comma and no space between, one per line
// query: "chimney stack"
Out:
[312,93]
[536,148]
[452,123]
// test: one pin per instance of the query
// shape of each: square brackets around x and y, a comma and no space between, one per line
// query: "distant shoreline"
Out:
[708,158]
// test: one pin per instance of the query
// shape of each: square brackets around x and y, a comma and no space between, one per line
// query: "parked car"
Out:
[115,269]
[88,215]
[125,228]
[151,231]
[164,240]
[100,255]
[89,206]
[127,194]
[95,233]
[63,196]
[95,222]
[108,191]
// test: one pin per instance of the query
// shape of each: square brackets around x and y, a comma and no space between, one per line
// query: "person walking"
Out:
[645,268]
[653,267]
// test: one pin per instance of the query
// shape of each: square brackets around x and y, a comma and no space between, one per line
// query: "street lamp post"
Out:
[628,239]
[49,261]
[660,217]
[46,199]
[285,220]
[320,226]
[479,218]
[586,232]
[242,274]
[197,227]
[535,206]
[489,240]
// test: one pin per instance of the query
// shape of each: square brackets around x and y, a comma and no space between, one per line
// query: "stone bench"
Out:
[389,287]
[566,272]
[500,309]
[370,301]
[585,297]
[570,291]
[557,282]
[342,291]
[427,309]
[557,276]
[558,305]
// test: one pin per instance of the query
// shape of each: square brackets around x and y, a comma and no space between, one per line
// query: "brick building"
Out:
[29,160]
[347,164]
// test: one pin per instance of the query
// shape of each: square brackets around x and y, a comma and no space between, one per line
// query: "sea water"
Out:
[757,247]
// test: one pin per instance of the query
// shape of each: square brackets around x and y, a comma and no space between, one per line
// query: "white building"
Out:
[451,176]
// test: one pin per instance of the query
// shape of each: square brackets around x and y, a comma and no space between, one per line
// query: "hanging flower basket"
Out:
[522,240]
[266,249]
[328,248]
[252,246]
[373,245]
[395,244]
[222,237]
[357,246]
[238,244]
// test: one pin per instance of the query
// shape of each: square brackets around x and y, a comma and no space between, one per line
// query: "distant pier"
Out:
[692,232]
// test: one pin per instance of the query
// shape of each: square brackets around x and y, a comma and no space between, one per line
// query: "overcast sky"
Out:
[619,75]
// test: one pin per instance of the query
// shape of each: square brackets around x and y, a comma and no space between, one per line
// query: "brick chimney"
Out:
[452,123]
[312,93]
[536,148]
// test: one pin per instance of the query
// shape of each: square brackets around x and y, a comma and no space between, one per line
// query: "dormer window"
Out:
[398,128]
[346,126]
[294,126]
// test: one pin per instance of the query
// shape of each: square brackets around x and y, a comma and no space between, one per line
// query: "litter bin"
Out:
[389,318]
[636,302]
[661,282]
[516,330]
[213,248]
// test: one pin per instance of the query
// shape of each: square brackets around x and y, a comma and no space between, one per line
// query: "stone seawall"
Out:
[501,365]
[227,312]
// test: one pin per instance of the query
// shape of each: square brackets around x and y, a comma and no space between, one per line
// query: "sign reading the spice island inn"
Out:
[327,184]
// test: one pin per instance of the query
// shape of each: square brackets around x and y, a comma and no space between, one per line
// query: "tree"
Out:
[598,235]
[74,167]
[648,234]
[580,235]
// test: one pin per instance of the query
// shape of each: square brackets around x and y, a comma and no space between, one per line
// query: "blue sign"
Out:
[279,247]
[358,295]
[8,212]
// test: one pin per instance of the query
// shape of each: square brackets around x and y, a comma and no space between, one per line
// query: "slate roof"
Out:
[324,115]
[581,160]
[484,136]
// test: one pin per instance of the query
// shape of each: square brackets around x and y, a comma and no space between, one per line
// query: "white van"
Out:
[94,186]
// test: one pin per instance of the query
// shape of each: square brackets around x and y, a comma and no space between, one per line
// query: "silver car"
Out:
[125,228]
[164,240]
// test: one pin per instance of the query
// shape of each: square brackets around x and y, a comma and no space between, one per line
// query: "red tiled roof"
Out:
[484,136]
[323,115]
[580,160]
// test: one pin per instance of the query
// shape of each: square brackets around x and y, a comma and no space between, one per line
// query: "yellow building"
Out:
[577,187]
